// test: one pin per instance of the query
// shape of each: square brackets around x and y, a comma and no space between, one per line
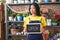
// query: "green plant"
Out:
[51,34]
[58,21]
[9,11]
[26,14]
[54,20]
[58,36]
[19,14]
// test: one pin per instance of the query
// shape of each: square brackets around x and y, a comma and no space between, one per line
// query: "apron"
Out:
[34,36]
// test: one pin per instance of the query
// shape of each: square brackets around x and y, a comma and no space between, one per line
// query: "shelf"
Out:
[54,26]
[49,3]
[42,3]
[16,21]
[12,4]
[16,35]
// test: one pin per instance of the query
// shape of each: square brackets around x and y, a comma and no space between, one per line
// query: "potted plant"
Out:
[46,0]
[19,17]
[58,36]
[57,16]
[15,29]
[54,22]
[9,14]
[52,37]
[25,15]
[14,16]
[15,1]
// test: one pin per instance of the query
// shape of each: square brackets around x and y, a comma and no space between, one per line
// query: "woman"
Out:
[35,15]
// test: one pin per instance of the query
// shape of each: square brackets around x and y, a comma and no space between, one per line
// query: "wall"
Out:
[2,25]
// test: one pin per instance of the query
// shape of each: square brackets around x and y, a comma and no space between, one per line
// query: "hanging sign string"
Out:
[15,10]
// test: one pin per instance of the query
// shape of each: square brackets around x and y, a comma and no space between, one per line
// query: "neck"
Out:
[34,14]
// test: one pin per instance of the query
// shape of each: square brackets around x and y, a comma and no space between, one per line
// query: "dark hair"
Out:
[37,8]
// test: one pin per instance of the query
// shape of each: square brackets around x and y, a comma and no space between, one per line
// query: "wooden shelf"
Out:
[54,26]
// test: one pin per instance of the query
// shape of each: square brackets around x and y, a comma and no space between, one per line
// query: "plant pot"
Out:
[32,1]
[19,18]
[53,0]
[15,2]
[40,1]
[14,19]
[54,24]
[48,22]
[10,1]
[46,0]
[58,38]
[14,31]
[22,1]
[18,1]
[10,18]
[27,1]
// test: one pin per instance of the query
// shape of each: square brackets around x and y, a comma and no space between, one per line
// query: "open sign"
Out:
[33,27]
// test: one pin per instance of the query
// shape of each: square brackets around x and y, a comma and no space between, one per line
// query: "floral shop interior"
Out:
[15,14]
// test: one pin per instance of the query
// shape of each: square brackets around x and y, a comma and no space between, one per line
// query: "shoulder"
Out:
[27,17]
[42,17]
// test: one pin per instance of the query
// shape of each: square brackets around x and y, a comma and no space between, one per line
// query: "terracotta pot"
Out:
[53,0]
[40,0]
[14,31]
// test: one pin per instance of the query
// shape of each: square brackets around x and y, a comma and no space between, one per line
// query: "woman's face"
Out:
[33,9]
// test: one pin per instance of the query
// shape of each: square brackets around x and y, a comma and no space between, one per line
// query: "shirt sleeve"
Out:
[43,21]
[25,22]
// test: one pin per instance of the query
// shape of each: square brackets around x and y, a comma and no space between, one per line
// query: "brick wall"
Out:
[55,7]
[2,26]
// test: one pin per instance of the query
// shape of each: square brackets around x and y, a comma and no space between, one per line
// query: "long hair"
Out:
[37,8]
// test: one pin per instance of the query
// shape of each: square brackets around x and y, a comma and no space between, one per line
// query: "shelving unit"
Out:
[6,21]
[15,22]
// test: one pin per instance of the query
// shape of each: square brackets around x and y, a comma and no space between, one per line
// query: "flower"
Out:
[57,16]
